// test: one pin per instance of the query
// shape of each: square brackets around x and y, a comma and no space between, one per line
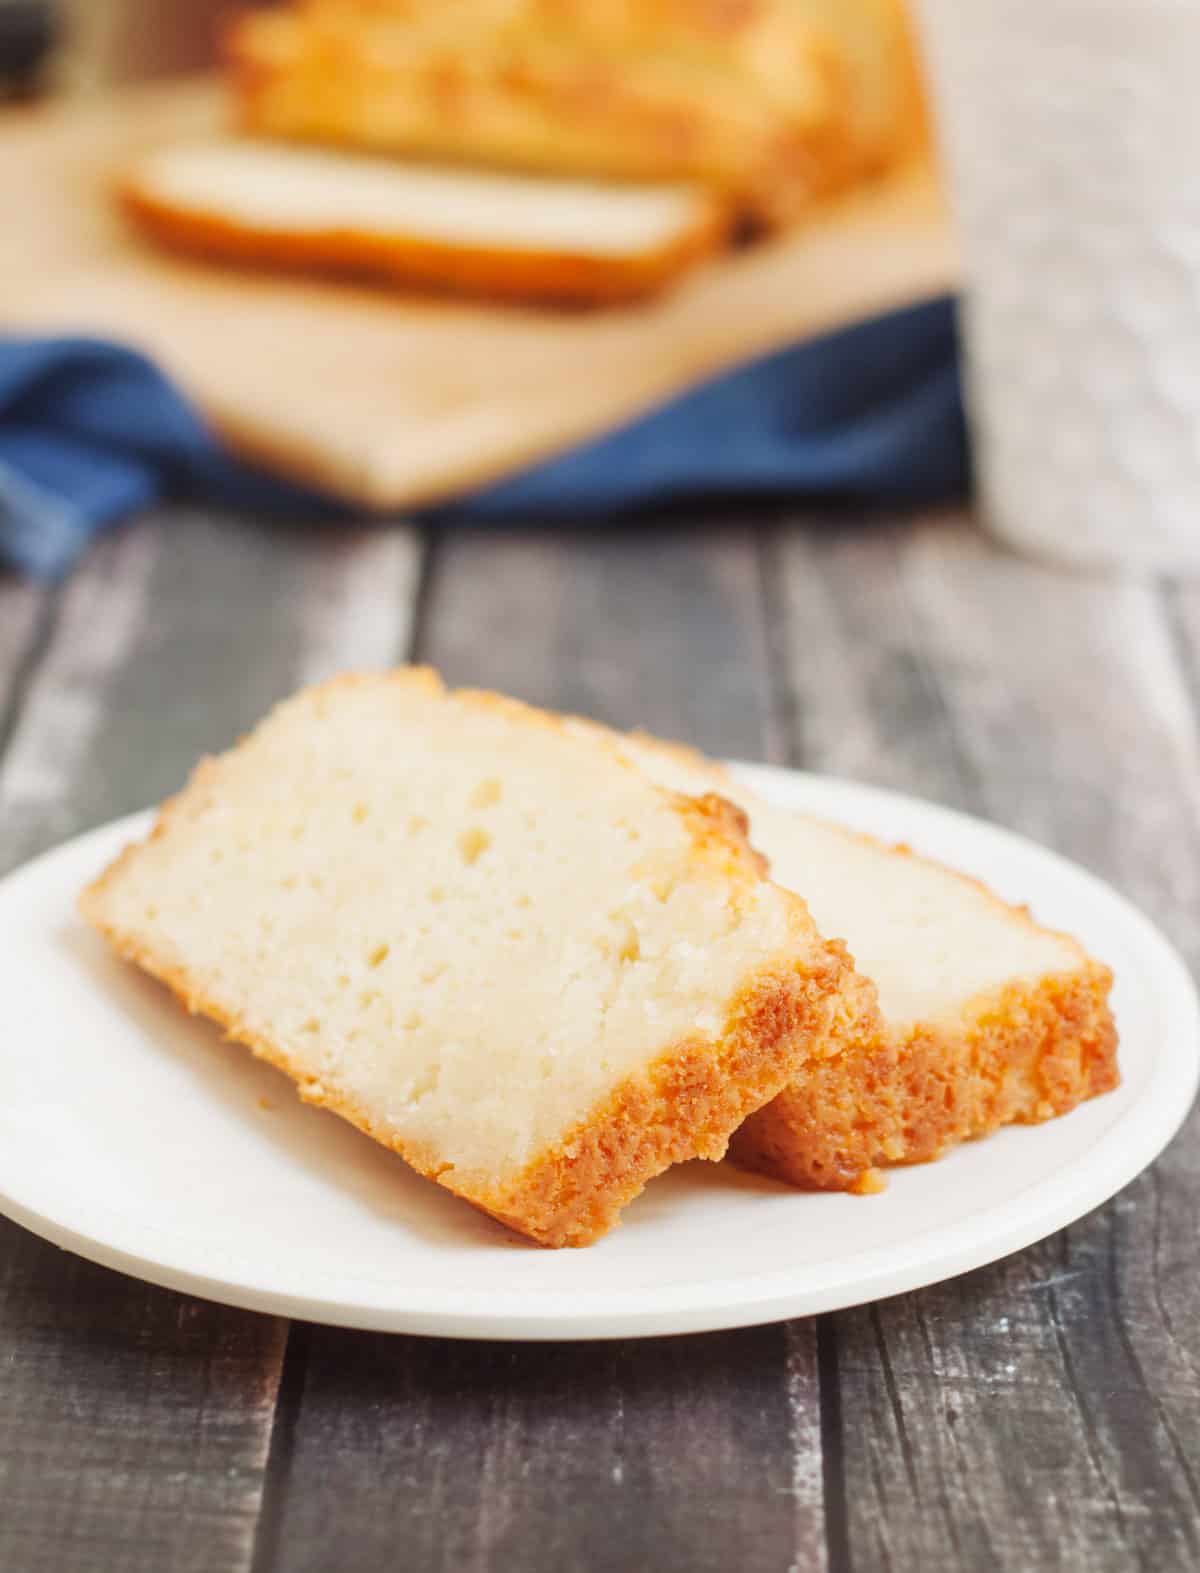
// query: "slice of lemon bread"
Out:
[520,236]
[487,941]
[988,1019]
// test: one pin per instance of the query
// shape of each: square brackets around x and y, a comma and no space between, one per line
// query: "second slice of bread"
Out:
[988,1018]
[485,940]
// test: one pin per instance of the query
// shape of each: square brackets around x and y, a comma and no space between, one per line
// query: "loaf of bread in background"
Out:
[773,101]
[867,47]
[487,941]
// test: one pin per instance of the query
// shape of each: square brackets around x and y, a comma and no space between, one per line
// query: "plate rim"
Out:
[705,1304]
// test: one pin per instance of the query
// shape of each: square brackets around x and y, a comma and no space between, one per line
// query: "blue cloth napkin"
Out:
[92,432]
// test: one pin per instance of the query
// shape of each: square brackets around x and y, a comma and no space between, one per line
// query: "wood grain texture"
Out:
[20,606]
[25,614]
[174,639]
[699,1453]
[638,625]
[605,1457]
[1042,1412]
[134,1423]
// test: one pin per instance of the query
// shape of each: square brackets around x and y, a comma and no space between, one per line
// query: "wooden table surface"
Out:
[1041,1413]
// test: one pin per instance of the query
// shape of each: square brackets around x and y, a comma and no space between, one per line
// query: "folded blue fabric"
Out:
[92,432]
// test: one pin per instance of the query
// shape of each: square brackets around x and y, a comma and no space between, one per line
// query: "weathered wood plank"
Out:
[178,636]
[640,626]
[701,1453]
[1044,1412]
[134,1424]
[21,605]
[25,612]
[600,1456]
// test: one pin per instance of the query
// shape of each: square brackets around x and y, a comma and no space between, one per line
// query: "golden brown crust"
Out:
[1023,1054]
[721,834]
[687,1103]
[552,277]
[914,138]
[528,97]
[684,1105]
[803,1007]
[865,50]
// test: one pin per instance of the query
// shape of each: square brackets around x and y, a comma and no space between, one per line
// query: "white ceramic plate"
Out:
[133,1135]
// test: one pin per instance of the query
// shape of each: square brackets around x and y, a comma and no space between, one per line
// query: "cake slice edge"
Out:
[1021,1053]
[1018,1054]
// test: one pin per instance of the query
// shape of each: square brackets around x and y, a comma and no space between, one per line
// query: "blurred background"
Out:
[711,190]
[80,45]
[738,184]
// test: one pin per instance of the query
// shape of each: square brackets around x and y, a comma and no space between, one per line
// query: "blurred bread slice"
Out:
[508,235]
[492,85]
[988,1018]
[486,941]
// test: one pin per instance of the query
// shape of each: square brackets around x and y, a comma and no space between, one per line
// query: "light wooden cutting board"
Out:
[393,400]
